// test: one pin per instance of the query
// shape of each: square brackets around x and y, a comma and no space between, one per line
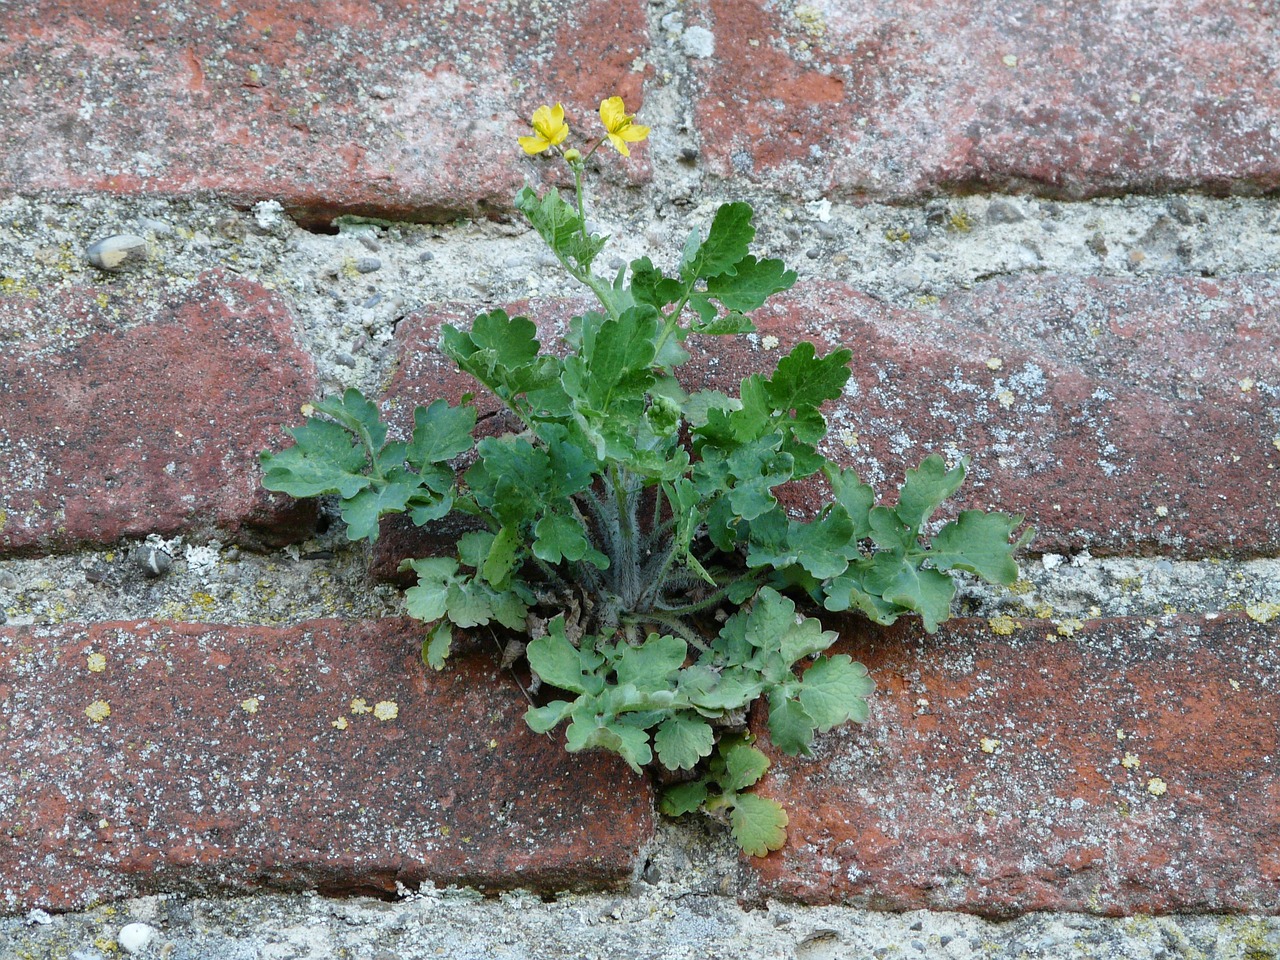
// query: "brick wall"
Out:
[1045,231]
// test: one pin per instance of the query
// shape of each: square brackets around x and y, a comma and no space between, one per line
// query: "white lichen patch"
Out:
[98,711]
[769,342]
[1162,511]
[95,663]
[386,710]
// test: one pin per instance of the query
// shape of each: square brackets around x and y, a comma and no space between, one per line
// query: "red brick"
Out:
[1124,396]
[897,100]
[128,415]
[403,111]
[182,788]
[910,812]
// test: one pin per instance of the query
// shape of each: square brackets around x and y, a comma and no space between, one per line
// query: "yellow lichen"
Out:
[386,710]
[1068,628]
[1131,761]
[988,744]
[97,711]
[1156,787]
[249,705]
[994,363]
[1262,612]
[1005,398]
[960,221]
[1003,626]
[358,706]
[340,724]
[811,20]
[96,662]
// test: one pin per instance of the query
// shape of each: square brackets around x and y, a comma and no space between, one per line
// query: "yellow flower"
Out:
[549,129]
[619,127]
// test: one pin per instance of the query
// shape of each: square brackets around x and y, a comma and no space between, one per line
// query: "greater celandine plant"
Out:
[629,532]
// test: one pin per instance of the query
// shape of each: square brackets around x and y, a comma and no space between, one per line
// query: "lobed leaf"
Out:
[759,824]
[681,741]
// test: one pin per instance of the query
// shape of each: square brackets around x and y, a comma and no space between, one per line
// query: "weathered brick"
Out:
[1125,416]
[408,111]
[321,755]
[1130,767]
[1120,416]
[903,99]
[126,415]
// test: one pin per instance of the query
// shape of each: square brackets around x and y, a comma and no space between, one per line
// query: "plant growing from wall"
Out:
[629,531]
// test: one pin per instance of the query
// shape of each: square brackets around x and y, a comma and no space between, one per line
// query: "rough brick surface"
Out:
[1065,811]
[237,758]
[1124,416]
[126,414]
[404,110]
[895,100]
[1120,416]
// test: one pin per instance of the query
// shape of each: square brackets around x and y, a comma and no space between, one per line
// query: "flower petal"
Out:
[612,113]
[532,145]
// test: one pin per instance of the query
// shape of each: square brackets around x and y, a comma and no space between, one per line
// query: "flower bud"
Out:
[572,155]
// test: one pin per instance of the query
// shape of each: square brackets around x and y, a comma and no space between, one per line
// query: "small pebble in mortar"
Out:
[116,253]
[134,937]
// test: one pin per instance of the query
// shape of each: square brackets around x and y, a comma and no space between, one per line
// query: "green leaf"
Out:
[804,639]
[804,382]
[435,647]
[501,559]
[683,798]
[440,433]
[560,227]
[473,548]
[856,497]
[727,242]
[357,413]
[681,741]
[835,689]
[926,487]
[771,617]
[758,823]
[559,537]
[544,719]
[979,543]
[323,460]
[512,478]
[750,284]
[744,765]
[927,592]
[428,600]
[650,665]
[791,728]
[561,664]
[725,324]
[361,512]
[630,743]
[649,285]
